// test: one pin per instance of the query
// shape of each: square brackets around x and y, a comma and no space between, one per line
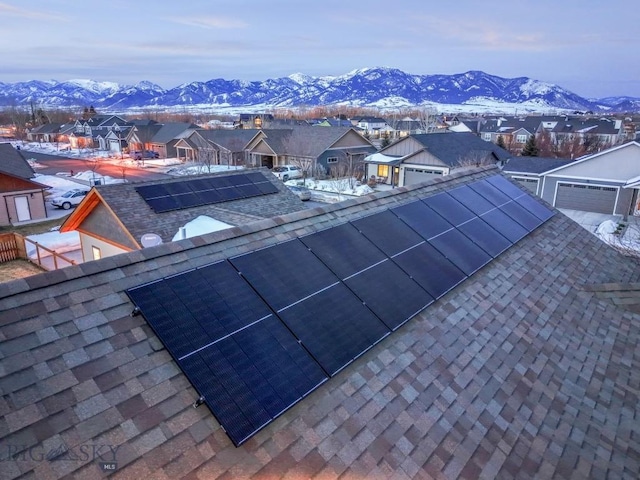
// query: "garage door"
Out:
[588,198]
[416,175]
[530,184]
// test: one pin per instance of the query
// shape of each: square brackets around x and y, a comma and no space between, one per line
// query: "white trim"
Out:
[615,204]
[582,177]
[595,155]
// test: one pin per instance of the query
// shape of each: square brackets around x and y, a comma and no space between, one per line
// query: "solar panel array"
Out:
[258,332]
[165,197]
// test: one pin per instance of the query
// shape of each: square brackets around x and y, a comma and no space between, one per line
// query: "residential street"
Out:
[55,164]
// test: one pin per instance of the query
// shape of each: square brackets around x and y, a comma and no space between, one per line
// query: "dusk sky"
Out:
[588,47]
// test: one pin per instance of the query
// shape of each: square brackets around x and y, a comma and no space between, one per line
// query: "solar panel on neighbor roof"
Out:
[257,332]
[169,196]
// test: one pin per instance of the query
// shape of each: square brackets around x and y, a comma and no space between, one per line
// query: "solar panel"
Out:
[521,215]
[422,219]
[252,377]
[205,191]
[266,187]
[505,225]
[491,193]
[430,269]
[244,362]
[388,232]
[485,236]
[162,204]
[535,207]
[505,186]
[285,273]
[462,252]
[449,208]
[343,249]
[256,333]
[334,326]
[390,293]
[471,199]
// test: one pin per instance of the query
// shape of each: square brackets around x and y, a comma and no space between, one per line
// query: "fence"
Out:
[14,246]
[9,247]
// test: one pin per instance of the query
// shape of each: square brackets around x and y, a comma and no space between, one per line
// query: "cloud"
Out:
[10,10]
[211,23]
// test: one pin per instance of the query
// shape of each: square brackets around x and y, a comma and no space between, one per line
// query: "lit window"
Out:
[97,254]
[383,170]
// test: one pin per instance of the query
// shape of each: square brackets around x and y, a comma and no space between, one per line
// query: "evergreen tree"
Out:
[530,148]
[500,142]
[385,142]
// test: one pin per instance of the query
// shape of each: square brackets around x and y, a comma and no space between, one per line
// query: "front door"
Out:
[22,208]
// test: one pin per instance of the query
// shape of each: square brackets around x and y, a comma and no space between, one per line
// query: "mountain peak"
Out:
[381,87]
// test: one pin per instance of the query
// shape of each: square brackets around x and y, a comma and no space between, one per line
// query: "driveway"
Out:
[589,220]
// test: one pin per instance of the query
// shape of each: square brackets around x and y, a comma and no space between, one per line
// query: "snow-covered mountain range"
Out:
[373,87]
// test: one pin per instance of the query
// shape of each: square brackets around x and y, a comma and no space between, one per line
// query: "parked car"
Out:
[302,192]
[287,172]
[139,155]
[69,199]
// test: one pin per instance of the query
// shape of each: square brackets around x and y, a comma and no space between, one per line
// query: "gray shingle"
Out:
[519,372]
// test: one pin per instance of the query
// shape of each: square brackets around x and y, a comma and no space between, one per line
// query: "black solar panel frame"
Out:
[449,208]
[418,262]
[461,251]
[334,326]
[423,219]
[389,293]
[343,249]
[386,231]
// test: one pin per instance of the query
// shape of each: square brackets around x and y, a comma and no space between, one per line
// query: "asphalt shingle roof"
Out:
[535,165]
[450,148]
[13,163]
[138,218]
[519,372]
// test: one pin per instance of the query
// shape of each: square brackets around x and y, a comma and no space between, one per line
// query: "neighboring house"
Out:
[605,182]
[253,120]
[166,137]
[216,146]
[417,158]
[529,170]
[112,219]
[528,368]
[514,131]
[312,149]
[47,132]
[91,132]
[373,127]
[21,199]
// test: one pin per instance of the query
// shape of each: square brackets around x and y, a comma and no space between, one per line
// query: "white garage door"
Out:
[417,175]
[588,198]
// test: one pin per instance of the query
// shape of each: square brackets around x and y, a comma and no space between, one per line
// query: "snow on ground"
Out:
[627,240]
[198,169]
[62,184]
[333,190]
[200,226]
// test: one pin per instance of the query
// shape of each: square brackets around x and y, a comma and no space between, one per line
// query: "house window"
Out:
[97,254]
[486,137]
[521,138]
[332,160]
[383,170]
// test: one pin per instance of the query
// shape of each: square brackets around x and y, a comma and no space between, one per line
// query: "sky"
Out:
[587,46]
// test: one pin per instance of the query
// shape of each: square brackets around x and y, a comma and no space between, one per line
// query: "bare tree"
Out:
[94,165]
[123,167]
[300,154]
[426,118]
[340,178]
[476,158]
[207,157]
